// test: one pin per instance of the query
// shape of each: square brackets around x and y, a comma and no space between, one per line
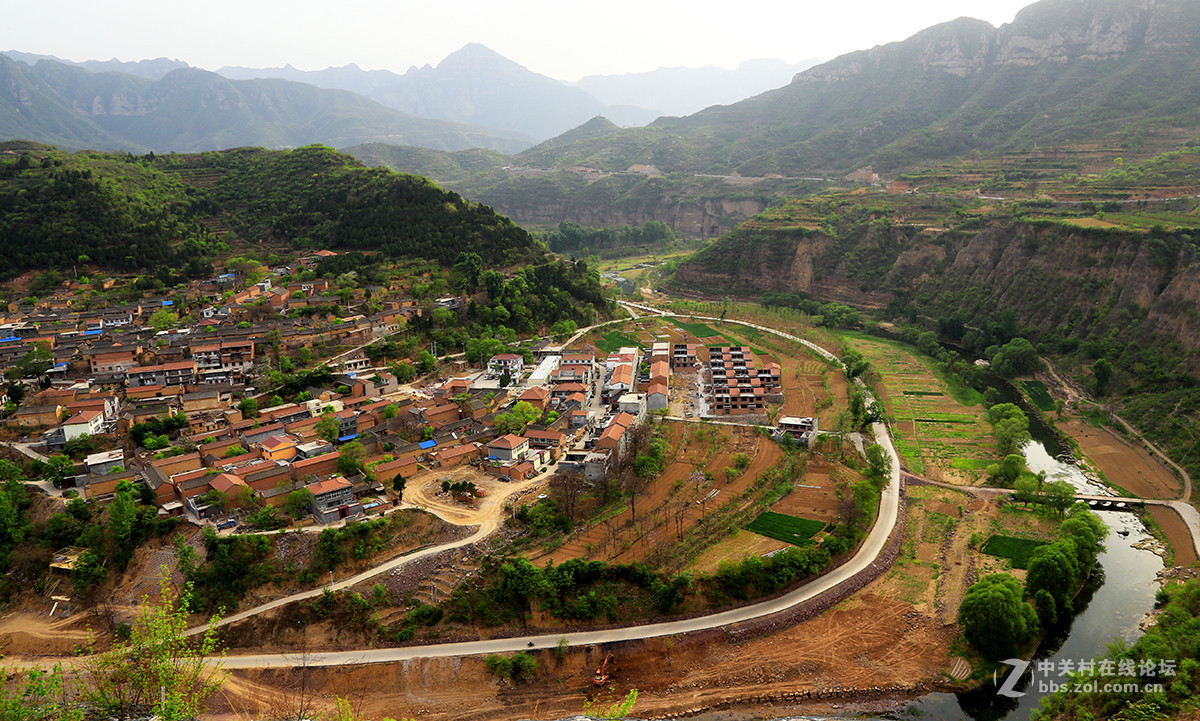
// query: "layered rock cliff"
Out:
[1073,281]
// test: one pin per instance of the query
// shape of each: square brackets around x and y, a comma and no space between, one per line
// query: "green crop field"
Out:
[945,418]
[1017,550]
[701,330]
[612,341]
[972,464]
[938,419]
[1037,392]
[782,527]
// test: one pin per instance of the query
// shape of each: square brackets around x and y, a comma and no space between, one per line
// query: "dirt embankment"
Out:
[1177,533]
[1126,465]
[1132,468]
[867,643]
[869,649]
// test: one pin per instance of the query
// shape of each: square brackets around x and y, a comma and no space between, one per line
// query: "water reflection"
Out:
[1111,605]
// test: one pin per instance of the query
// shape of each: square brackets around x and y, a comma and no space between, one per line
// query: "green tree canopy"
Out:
[350,458]
[995,618]
[515,420]
[1010,427]
[1055,569]
[163,319]
[1014,358]
[328,427]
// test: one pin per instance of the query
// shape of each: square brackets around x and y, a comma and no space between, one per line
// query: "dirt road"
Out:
[867,553]
[487,517]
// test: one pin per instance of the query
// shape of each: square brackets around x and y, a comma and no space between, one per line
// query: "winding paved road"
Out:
[870,549]
[867,553]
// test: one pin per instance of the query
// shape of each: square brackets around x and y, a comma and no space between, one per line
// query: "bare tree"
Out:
[568,485]
[634,484]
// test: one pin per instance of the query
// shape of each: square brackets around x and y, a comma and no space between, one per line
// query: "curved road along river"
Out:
[870,549]
[867,553]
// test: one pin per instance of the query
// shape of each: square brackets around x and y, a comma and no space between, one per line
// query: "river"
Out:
[1111,605]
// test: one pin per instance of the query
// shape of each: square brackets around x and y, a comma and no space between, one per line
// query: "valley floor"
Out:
[886,644]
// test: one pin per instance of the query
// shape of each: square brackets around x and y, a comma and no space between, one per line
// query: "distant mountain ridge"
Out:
[480,86]
[472,85]
[683,91]
[189,109]
[153,69]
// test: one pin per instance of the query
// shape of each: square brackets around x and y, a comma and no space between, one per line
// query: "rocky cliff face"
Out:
[1080,282]
[1051,31]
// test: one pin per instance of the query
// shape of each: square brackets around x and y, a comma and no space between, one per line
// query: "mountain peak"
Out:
[474,55]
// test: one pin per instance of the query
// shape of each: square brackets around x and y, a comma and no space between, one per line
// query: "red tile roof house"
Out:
[232,486]
[612,439]
[456,455]
[657,396]
[385,473]
[508,448]
[615,436]
[566,390]
[319,466]
[553,441]
[538,397]
[333,499]
[447,413]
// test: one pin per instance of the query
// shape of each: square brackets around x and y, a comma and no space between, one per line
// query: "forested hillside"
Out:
[58,210]
[317,197]
[1062,71]
[170,213]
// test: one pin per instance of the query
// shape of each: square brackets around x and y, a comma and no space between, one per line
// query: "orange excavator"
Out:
[601,676]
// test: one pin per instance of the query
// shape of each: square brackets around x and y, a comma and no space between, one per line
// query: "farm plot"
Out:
[1016,550]
[693,486]
[1038,395]
[701,330]
[940,429]
[789,529]
[610,342]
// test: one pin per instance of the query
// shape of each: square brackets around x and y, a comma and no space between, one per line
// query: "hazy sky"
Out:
[564,39]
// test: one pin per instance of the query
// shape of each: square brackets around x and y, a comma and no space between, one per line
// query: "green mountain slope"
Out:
[190,110]
[31,108]
[138,213]
[443,167]
[1063,70]
[1089,269]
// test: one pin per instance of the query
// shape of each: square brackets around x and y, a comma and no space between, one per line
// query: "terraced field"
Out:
[939,428]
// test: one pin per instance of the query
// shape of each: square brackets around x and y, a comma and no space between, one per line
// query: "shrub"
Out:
[501,666]
[523,666]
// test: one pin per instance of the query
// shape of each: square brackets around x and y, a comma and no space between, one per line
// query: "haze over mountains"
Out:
[1062,71]
[192,110]
[473,98]
[479,86]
